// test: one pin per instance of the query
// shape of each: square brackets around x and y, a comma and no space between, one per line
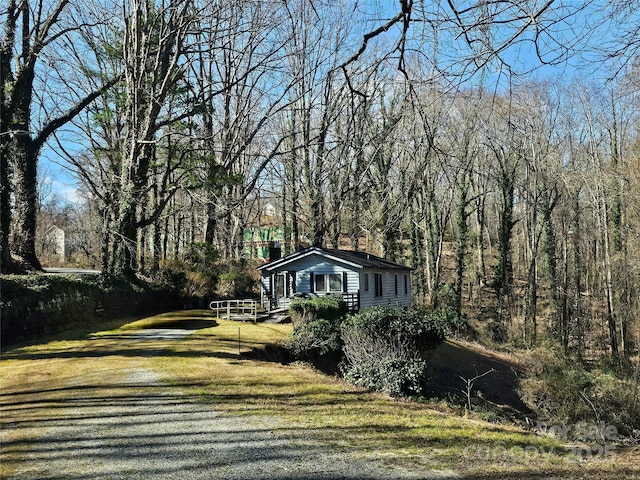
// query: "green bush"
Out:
[445,320]
[316,325]
[172,275]
[306,310]
[201,256]
[385,349]
[319,336]
[196,275]
[183,279]
[236,282]
[201,274]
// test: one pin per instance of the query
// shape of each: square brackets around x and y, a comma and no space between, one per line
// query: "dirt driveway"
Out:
[115,419]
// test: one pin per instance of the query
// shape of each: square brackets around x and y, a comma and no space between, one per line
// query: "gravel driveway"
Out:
[136,428]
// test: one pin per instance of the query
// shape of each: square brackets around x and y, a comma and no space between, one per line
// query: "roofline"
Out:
[302,254]
[327,254]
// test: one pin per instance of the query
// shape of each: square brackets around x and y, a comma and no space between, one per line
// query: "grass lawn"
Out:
[213,364]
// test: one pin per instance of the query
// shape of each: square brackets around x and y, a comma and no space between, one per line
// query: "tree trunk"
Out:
[481,274]
[434,241]
[608,283]
[417,256]
[549,247]
[26,201]
[462,239]
[6,262]
[577,274]
[504,268]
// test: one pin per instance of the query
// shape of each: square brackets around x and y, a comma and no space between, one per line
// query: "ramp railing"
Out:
[245,308]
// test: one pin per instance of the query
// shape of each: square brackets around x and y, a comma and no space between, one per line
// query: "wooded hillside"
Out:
[402,129]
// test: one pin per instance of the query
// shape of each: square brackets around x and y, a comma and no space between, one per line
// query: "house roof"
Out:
[356,259]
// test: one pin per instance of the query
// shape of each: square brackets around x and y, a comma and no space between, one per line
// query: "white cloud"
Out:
[70,194]
[62,186]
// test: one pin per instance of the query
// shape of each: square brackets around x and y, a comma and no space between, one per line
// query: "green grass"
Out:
[208,365]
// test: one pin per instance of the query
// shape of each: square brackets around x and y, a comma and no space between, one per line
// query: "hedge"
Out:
[307,310]
[35,305]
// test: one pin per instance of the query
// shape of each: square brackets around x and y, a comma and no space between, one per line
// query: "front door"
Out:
[281,290]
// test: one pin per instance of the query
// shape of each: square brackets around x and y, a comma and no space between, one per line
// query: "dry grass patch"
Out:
[207,364]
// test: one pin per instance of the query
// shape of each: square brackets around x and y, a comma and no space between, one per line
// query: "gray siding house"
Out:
[362,279]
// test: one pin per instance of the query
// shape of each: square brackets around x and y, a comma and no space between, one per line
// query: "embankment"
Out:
[35,305]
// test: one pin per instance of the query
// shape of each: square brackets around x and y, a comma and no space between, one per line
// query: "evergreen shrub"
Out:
[329,307]
[316,325]
[235,282]
[385,348]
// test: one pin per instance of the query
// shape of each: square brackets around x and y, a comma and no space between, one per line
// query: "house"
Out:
[263,242]
[56,243]
[363,279]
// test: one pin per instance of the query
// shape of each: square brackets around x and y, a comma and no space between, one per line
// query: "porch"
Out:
[352,299]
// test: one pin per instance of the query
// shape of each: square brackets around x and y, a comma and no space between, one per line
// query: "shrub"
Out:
[319,336]
[445,320]
[385,349]
[198,283]
[171,274]
[235,282]
[200,274]
[563,391]
[183,279]
[201,256]
[316,323]
[306,310]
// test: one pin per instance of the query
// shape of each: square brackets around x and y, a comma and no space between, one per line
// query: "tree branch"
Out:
[58,122]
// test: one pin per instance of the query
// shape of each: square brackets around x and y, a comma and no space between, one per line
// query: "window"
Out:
[406,284]
[395,284]
[366,282]
[331,282]
[335,282]
[378,284]
[320,283]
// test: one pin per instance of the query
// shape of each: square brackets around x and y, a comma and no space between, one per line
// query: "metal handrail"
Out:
[241,306]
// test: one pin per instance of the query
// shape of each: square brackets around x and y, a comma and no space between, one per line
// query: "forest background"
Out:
[491,146]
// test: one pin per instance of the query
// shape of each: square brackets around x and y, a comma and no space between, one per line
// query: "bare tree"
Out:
[483,35]
[154,46]
[239,70]
[33,31]
[314,52]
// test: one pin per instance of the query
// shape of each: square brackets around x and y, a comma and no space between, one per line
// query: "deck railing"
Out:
[243,308]
[352,299]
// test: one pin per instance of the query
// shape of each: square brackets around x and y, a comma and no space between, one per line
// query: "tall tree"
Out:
[313,55]
[239,70]
[33,31]
[154,43]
